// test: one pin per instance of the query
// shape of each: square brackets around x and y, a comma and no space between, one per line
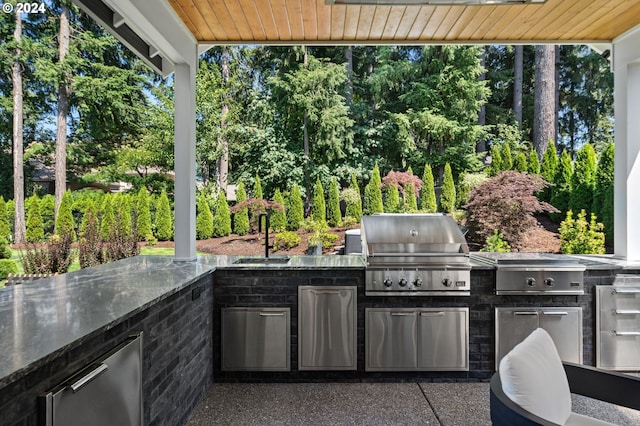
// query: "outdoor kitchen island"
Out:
[52,329]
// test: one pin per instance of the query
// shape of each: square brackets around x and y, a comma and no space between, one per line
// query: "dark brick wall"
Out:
[176,360]
[244,288]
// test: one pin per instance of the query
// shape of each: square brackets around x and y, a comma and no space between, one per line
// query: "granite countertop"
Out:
[43,319]
[295,262]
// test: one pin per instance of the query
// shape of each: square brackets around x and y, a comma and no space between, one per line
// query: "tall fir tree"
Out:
[279,217]
[373,193]
[448,195]
[65,225]
[318,204]
[222,218]
[294,209]
[108,218]
[548,170]
[410,201]
[533,164]
[354,209]
[143,214]
[427,192]
[204,217]
[505,157]
[562,189]
[164,218]
[392,202]
[241,217]
[334,216]
[124,220]
[583,181]
[35,229]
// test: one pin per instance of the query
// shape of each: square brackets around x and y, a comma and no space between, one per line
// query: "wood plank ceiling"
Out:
[314,22]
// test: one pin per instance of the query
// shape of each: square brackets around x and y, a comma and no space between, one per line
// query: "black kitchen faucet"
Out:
[266,232]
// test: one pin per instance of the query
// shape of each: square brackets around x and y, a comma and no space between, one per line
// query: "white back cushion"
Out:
[533,377]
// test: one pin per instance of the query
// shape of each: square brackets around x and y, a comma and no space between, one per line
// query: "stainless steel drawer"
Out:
[618,328]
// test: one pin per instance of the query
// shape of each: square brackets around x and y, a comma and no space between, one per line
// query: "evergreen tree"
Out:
[427,192]
[448,196]
[410,202]
[354,207]
[143,214]
[334,217]
[124,220]
[107,223]
[89,212]
[257,188]
[562,189]
[222,218]
[520,163]
[373,193]
[318,204]
[279,217]
[583,180]
[533,164]
[204,217]
[548,170]
[392,200]
[603,196]
[35,231]
[65,225]
[164,218]
[48,213]
[505,157]
[496,160]
[294,209]
[241,218]
[5,227]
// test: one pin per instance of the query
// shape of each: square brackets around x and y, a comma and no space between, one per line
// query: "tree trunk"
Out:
[305,136]
[223,143]
[18,143]
[482,114]
[556,94]
[348,55]
[517,84]
[544,105]
[63,110]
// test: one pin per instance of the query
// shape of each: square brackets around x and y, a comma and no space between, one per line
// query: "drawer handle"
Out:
[627,333]
[554,313]
[271,314]
[75,387]
[402,314]
[526,313]
[327,292]
[432,314]
[626,290]
[627,311]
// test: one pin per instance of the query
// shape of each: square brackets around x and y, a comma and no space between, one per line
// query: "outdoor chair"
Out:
[533,386]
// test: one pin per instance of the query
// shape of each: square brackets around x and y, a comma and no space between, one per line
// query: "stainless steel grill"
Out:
[415,254]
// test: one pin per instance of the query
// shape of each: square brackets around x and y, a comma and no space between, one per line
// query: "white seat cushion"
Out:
[533,377]
[580,420]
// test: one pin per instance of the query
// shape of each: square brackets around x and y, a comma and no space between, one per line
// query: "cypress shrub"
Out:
[257,188]
[48,213]
[533,163]
[561,191]
[222,218]
[5,250]
[5,227]
[410,201]
[318,204]
[107,224]
[334,217]
[392,200]
[294,209]
[373,193]
[164,218]
[143,214]
[65,225]
[548,170]
[506,158]
[204,218]
[90,245]
[428,192]
[123,222]
[520,163]
[354,203]
[496,160]
[603,196]
[448,196]
[7,266]
[583,180]
[35,230]
[278,217]
[11,213]
[577,236]
[89,209]
[241,218]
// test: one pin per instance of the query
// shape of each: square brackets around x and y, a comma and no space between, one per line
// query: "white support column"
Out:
[185,162]
[627,146]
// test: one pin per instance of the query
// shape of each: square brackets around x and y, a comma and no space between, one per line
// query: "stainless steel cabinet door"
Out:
[391,339]
[327,328]
[443,336]
[564,325]
[512,326]
[256,339]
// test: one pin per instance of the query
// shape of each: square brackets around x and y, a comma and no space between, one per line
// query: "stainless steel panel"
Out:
[327,328]
[107,393]
[618,327]
[540,280]
[564,325]
[443,336]
[256,339]
[420,282]
[391,339]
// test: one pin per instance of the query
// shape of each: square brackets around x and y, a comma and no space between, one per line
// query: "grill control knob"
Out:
[417,282]
[387,282]
[531,282]
[447,282]
[402,282]
[549,282]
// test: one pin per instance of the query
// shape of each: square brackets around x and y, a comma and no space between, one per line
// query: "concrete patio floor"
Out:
[447,404]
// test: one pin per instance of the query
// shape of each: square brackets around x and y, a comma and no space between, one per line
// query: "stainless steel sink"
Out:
[262,261]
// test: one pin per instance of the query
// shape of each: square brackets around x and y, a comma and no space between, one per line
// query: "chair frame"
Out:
[603,385]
